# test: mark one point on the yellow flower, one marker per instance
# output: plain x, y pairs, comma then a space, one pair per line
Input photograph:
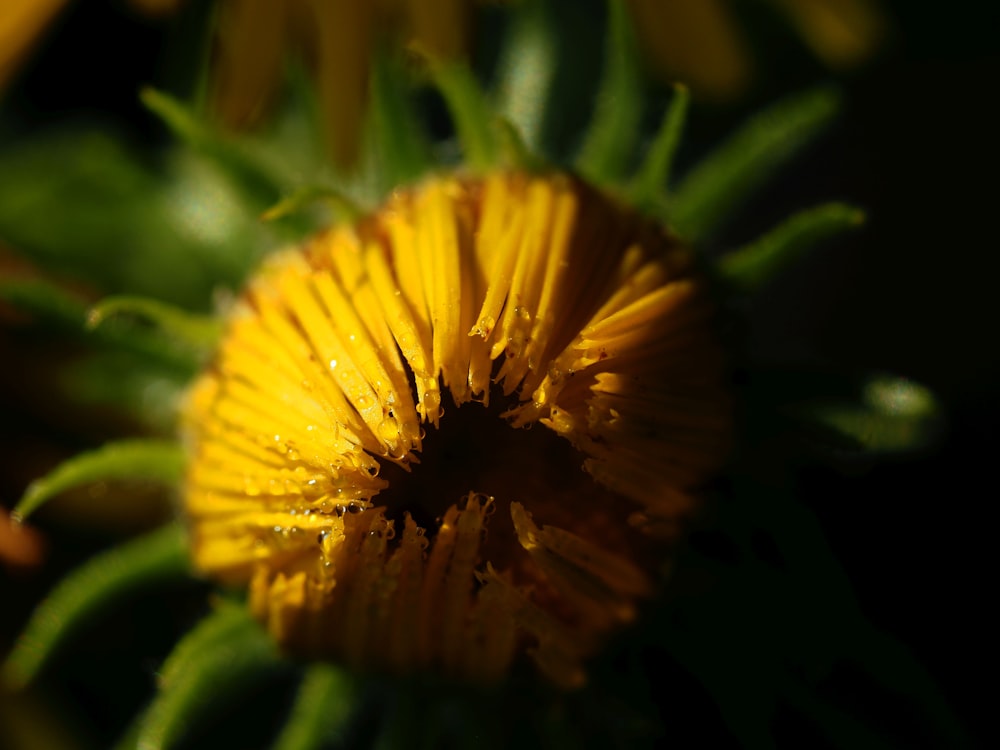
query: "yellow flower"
371, 525
255, 39
700, 42
22, 22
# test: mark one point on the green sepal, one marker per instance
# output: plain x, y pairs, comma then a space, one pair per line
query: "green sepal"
216, 669
141, 459
607, 145
64, 312
301, 200
892, 415
728, 176
227, 619
159, 556
324, 703
756, 263
514, 152
526, 71
470, 111
46, 302
398, 147
649, 187
199, 333
256, 180
84, 205
126, 384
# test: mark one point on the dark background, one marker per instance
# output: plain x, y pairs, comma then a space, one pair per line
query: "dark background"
913, 293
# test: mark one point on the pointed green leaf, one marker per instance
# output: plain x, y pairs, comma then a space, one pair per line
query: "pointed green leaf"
527, 68
514, 153
255, 179
343, 207
200, 333
894, 414
223, 670
214, 630
650, 185
611, 136
158, 556
126, 384
323, 705
83, 205
759, 261
395, 134
470, 111
45, 301
747, 160
64, 312
155, 460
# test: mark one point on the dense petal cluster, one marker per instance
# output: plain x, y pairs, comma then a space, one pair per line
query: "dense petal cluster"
324, 473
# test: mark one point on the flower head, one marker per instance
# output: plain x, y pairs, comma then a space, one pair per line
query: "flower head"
533, 300
459, 430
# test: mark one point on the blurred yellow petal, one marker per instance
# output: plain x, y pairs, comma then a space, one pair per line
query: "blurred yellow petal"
440, 26
20, 545
21, 23
344, 39
156, 7
249, 58
696, 42
842, 33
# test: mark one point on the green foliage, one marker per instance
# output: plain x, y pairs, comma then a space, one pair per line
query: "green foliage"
892, 415
148, 460
759, 261
216, 662
400, 153
83, 204
252, 176
470, 111
649, 187
105, 579
324, 702
729, 175
527, 68
306, 197
56, 309
611, 136
127, 384
198, 333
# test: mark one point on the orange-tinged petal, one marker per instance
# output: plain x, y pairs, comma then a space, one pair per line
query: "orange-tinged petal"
21, 24
695, 42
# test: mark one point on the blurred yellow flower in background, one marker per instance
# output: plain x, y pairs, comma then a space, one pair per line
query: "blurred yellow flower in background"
701, 43
22, 23
698, 42
254, 40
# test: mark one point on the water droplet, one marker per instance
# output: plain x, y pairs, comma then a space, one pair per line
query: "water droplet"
333, 364
323, 536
